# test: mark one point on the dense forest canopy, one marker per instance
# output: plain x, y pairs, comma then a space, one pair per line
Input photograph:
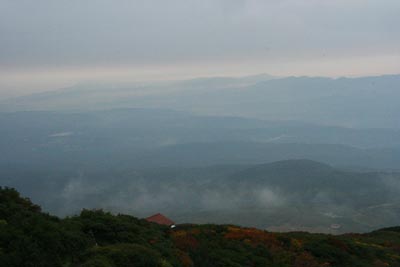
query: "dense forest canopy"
30, 237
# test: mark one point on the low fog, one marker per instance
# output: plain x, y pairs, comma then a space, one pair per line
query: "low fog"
286, 195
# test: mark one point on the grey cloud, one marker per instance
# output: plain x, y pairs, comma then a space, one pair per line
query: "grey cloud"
76, 33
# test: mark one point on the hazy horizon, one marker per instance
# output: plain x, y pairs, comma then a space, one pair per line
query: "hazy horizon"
47, 45
50, 86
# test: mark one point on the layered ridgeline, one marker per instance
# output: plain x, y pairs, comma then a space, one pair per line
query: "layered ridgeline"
127, 138
204, 169
29, 237
368, 102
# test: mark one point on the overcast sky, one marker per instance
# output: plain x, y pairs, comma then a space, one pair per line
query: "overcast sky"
53, 43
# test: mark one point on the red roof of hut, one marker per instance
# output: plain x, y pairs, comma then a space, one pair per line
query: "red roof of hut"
160, 219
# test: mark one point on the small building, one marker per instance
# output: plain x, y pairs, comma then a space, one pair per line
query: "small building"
160, 219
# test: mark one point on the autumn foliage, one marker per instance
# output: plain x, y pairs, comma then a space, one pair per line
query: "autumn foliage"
94, 238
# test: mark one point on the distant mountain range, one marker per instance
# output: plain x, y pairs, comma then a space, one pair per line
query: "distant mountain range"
297, 153
368, 102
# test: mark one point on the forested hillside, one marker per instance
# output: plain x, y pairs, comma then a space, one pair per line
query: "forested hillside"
30, 237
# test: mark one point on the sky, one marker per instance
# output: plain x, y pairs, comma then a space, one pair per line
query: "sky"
48, 44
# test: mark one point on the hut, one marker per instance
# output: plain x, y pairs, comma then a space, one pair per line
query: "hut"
161, 219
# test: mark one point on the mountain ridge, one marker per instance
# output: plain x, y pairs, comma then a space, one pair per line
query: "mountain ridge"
365, 102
